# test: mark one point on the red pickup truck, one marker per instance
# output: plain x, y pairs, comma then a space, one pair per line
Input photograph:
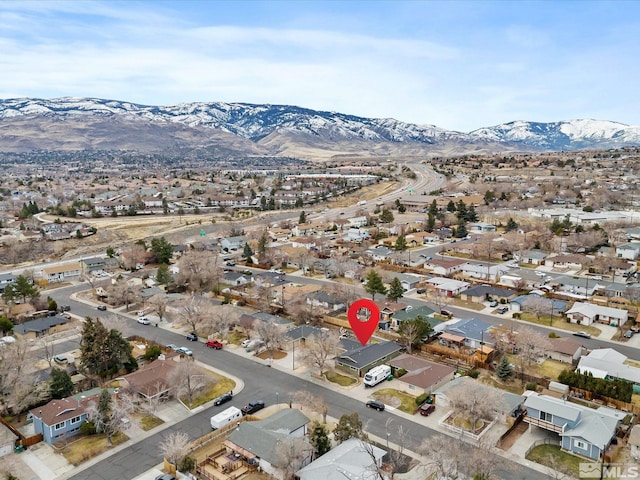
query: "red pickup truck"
213, 343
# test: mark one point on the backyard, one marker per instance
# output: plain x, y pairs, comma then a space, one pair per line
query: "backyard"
553, 457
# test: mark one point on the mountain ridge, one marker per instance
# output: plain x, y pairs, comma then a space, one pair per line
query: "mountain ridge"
256, 129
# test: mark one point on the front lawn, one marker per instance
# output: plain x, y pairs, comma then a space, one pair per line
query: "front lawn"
90, 446
397, 399
217, 387
560, 323
147, 422
553, 457
342, 380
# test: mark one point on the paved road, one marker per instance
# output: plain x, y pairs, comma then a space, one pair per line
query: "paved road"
261, 382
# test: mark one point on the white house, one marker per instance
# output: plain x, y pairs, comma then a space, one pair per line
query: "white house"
584, 313
609, 363
447, 286
628, 251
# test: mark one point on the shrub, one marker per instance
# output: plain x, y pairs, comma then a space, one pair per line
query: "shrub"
187, 464
421, 398
152, 352
553, 335
532, 386
473, 373
400, 372
88, 428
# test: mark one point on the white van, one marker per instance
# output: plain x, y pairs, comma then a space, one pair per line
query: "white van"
225, 417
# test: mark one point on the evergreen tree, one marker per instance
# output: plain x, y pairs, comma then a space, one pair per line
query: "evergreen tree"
21, 289
348, 426
386, 216
461, 210
6, 325
263, 242
319, 439
61, 384
489, 197
433, 208
461, 229
163, 276
451, 207
110, 252
52, 305
247, 253
374, 284
395, 290
471, 215
162, 250
103, 352
401, 243
303, 218
431, 222
504, 370
511, 225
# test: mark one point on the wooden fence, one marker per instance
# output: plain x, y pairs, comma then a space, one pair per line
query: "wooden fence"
22, 439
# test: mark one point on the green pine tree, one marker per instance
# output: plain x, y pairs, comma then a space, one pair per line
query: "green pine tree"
504, 369
395, 290
374, 284
319, 439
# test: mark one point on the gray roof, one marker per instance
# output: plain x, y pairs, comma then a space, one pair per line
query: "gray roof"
558, 305
480, 290
93, 261
302, 331
556, 407
362, 356
263, 437
7, 277
470, 328
349, 460
267, 317
536, 254
596, 427
40, 325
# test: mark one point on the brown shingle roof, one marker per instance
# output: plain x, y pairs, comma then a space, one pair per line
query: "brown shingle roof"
152, 378
57, 411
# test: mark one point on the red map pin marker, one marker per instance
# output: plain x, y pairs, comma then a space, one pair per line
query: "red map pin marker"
363, 329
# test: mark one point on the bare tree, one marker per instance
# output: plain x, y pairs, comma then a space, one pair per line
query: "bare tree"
124, 293
538, 306
132, 255
188, 379
109, 420
319, 348
444, 457
222, 318
16, 383
346, 292
473, 401
197, 269
174, 447
292, 454
194, 311
313, 402
303, 312
531, 344
158, 304
48, 348
272, 334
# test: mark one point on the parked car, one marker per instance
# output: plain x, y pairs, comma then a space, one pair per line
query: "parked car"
502, 310
193, 337
427, 409
446, 313
65, 308
582, 334
224, 398
245, 343
184, 351
143, 321
376, 404
166, 476
493, 304
213, 343
60, 359
173, 347
420, 291
252, 407
102, 308
628, 334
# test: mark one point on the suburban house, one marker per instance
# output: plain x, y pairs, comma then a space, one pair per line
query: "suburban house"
379, 253
565, 262
482, 227
6, 279
359, 360
609, 363
236, 279
443, 266
422, 238
356, 235
474, 332
61, 419
582, 430
39, 327
447, 287
565, 350
261, 442
387, 310
533, 257
579, 286
628, 251
519, 304
584, 313
409, 281
233, 243
407, 315
329, 302
152, 381
60, 273
484, 271
352, 459
482, 293
423, 376
93, 264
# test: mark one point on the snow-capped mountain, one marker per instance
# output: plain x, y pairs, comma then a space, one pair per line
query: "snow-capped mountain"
81, 123
567, 135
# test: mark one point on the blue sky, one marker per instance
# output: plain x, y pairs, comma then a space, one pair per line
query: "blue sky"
460, 65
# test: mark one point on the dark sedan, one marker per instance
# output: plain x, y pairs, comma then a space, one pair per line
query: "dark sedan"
224, 398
